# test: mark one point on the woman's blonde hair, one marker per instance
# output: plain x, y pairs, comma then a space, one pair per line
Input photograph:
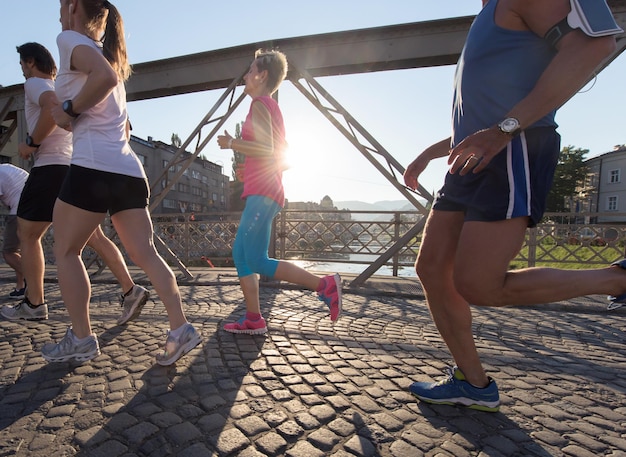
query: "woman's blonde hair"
275, 62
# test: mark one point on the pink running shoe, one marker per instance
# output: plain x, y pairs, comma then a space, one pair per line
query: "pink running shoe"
330, 293
247, 326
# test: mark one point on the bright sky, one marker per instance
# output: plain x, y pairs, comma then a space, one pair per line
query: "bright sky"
405, 110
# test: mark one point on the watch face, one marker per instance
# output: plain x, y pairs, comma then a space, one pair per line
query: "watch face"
510, 124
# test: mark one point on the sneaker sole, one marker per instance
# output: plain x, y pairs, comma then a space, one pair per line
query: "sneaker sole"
258, 331
137, 311
13, 318
460, 402
614, 305
182, 351
76, 357
30, 319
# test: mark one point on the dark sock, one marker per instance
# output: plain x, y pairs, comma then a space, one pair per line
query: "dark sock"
30, 304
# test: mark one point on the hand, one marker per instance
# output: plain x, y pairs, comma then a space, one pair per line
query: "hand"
415, 169
25, 151
225, 141
476, 151
61, 118
439, 149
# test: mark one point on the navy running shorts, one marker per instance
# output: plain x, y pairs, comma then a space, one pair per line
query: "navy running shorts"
515, 183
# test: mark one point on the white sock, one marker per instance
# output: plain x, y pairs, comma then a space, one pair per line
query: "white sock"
176, 333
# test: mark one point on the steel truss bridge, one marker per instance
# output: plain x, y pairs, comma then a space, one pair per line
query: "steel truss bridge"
395, 47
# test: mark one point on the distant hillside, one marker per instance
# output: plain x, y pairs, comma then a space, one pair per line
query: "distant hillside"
385, 205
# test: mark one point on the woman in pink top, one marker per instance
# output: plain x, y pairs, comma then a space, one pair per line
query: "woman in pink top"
263, 143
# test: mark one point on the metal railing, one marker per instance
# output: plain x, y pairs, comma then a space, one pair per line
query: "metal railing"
357, 238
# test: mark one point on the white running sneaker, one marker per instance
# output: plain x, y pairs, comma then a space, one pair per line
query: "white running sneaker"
25, 311
132, 303
175, 348
70, 349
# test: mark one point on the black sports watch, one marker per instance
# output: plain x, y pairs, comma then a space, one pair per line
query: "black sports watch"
69, 109
510, 126
30, 142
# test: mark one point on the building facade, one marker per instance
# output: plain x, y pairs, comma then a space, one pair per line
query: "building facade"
202, 188
604, 190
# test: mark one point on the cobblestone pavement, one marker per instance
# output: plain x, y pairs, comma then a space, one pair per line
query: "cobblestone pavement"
310, 388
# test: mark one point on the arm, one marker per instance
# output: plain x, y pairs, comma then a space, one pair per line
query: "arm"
577, 58
415, 168
45, 124
101, 80
263, 145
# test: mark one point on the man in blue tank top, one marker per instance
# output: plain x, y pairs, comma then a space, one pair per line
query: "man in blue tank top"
522, 60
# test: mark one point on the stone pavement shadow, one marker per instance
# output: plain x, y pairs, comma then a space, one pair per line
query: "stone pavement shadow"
22, 399
181, 409
470, 432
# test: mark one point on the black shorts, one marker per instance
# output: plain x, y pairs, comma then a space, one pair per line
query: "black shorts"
515, 183
40, 192
100, 191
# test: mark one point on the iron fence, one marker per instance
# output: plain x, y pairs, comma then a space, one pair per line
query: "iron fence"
347, 238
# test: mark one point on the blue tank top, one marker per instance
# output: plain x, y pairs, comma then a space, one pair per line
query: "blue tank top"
497, 68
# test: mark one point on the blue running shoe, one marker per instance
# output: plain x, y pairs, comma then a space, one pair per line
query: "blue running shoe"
455, 390
616, 302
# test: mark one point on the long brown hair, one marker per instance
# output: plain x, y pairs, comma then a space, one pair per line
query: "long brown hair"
113, 40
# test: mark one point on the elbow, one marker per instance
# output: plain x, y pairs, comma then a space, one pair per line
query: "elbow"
108, 79
603, 47
111, 80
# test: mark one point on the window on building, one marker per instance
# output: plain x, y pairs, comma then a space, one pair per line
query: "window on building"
142, 159
614, 176
611, 203
169, 203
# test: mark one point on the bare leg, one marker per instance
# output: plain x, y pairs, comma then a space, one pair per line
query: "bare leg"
482, 276
14, 260
250, 288
450, 311
286, 271
112, 257
134, 228
292, 273
461, 263
33, 261
72, 228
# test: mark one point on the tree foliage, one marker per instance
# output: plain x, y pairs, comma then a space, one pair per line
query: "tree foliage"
570, 172
176, 141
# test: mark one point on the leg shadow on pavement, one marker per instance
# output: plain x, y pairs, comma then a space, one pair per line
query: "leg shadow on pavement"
461, 431
33, 393
165, 411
